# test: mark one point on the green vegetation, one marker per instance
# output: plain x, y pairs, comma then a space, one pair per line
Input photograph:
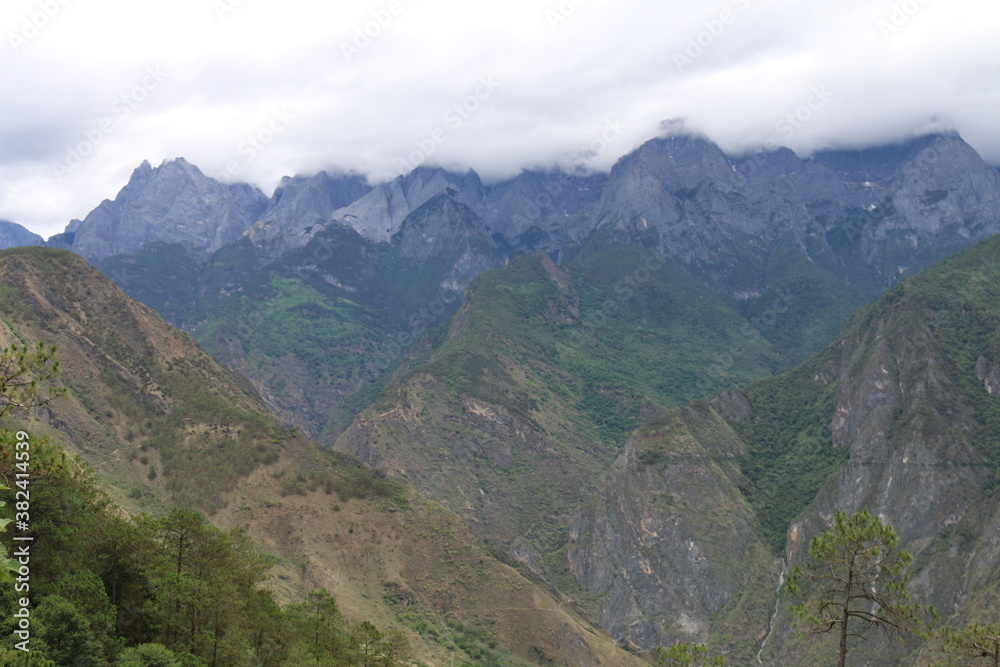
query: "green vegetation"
804, 305
151, 399
962, 307
161, 275
148, 386
478, 646
683, 654
952, 312
975, 642
855, 578
24, 383
299, 320
542, 376
348, 480
174, 589
24, 376
311, 343
200, 468
790, 448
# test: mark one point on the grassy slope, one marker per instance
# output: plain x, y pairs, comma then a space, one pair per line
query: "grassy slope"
143, 395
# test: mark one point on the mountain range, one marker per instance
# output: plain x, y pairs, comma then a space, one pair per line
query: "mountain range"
164, 424
644, 389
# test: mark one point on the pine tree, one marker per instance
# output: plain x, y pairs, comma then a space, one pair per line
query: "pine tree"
855, 581
979, 642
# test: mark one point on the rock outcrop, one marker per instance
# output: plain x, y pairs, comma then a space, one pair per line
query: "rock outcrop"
13, 235
173, 203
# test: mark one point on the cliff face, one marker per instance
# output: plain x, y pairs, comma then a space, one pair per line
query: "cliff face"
300, 208
896, 417
668, 546
173, 203
866, 217
524, 401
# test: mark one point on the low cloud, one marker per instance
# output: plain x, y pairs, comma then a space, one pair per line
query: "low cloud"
733, 69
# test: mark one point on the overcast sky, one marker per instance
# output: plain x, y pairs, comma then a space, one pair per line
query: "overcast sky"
251, 90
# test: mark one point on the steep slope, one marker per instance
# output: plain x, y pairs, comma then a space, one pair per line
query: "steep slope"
898, 416
668, 546
380, 213
200, 426
543, 211
322, 330
13, 235
173, 203
794, 245
302, 206
828, 233
143, 396
536, 383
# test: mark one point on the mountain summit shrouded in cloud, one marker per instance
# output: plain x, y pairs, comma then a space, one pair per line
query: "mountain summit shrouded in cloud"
253, 91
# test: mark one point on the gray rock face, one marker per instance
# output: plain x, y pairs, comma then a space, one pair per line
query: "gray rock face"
173, 203
301, 207
444, 223
549, 211
910, 413
534, 211
885, 210
668, 543
379, 214
13, 235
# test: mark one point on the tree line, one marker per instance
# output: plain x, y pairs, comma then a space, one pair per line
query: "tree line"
175, 591
169, 591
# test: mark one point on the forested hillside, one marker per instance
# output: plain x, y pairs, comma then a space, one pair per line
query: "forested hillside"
159, 425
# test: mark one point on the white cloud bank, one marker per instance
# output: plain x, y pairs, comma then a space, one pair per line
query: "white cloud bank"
256, 89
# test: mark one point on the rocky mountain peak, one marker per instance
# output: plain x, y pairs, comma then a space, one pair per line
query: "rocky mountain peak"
173, 203
140, 177
725, 215
301, 207
13, 235
380, 213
